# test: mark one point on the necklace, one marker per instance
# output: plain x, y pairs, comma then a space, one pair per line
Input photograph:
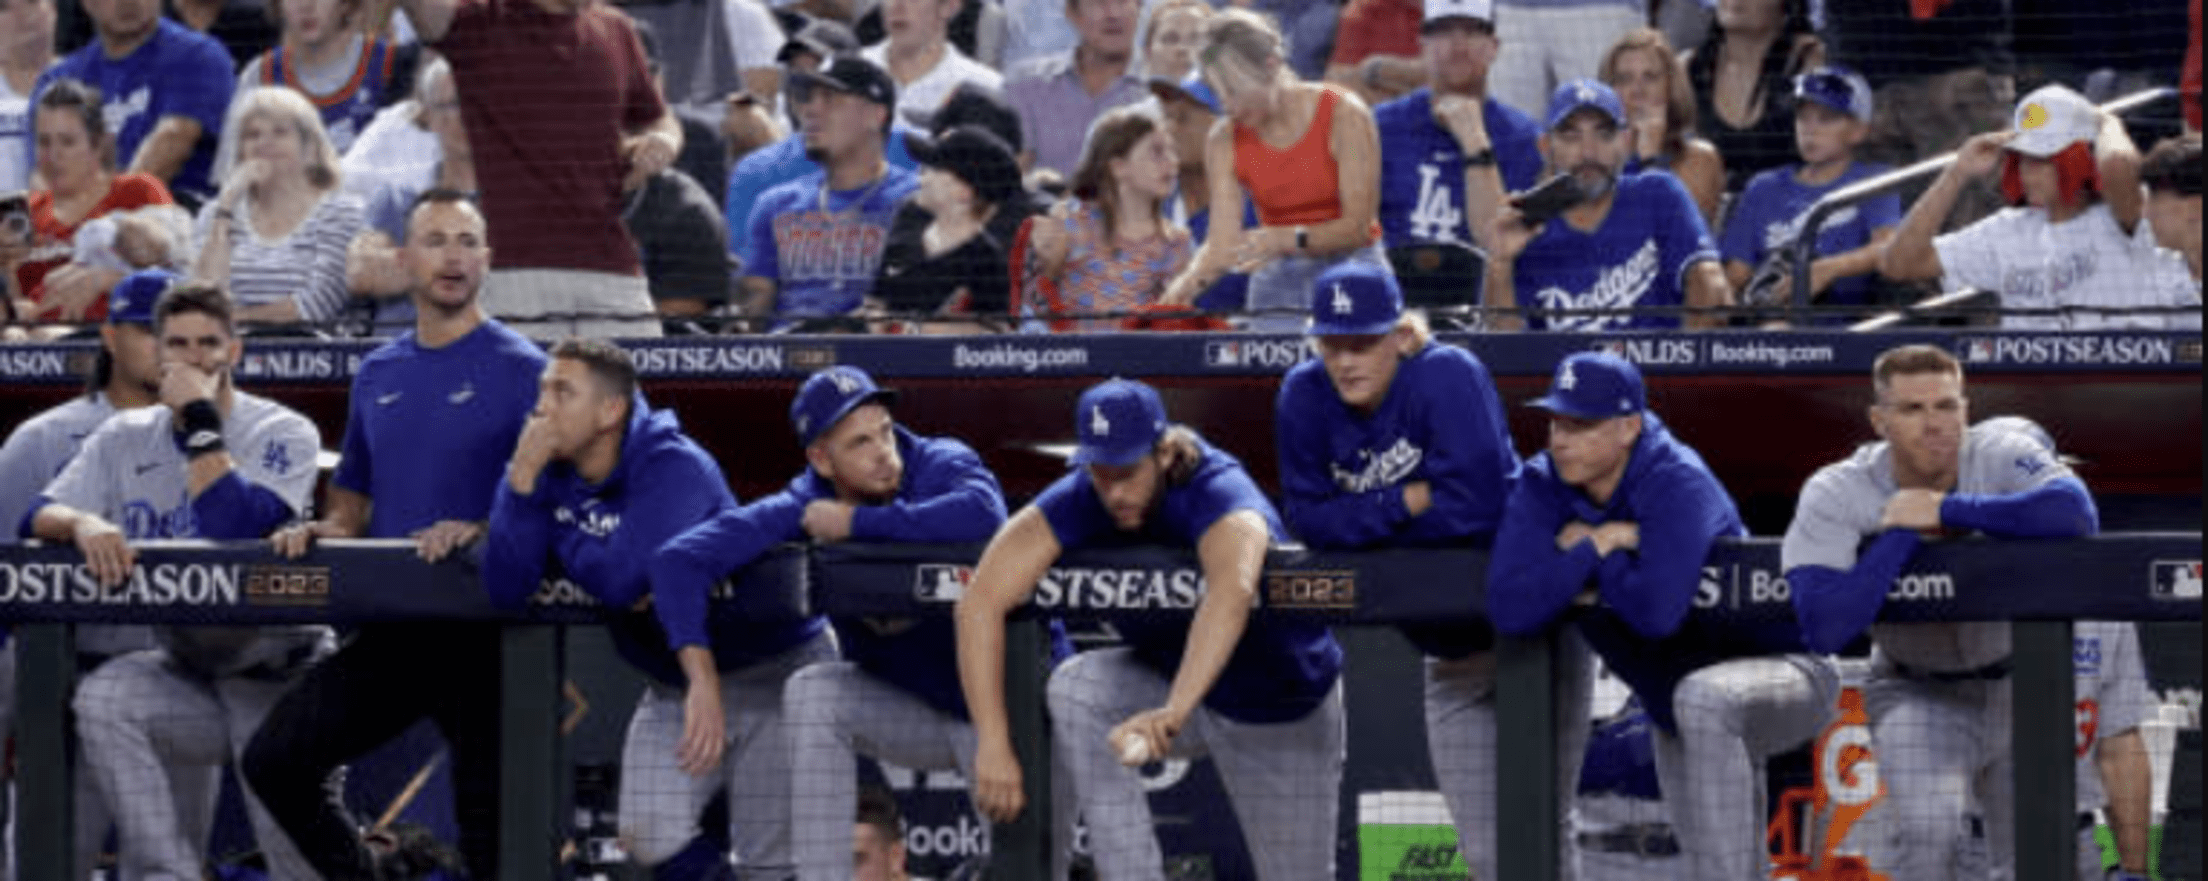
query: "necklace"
850, 209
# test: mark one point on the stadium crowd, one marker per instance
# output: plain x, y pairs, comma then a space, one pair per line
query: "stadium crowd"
473, 177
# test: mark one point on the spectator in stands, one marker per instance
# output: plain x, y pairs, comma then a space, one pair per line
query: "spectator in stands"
373, 271
210, 462
704, 155
1035, 30
1377, 50
681, 236
398, 145
553, 162
1170, 39
45, 284
1740, 78
1110, 250
1633, 241
788, 158
245, 29
878, 839
276, 235
1307, 155
1550, 42
349, 75
987, 109
920, 57
952, 265
816, 242
26, 48
1660, 105
166, 88
1060, 96
1832, 112
1452, 150
2172, 173
1191, 108
2070, 247
713, 49
1941, 71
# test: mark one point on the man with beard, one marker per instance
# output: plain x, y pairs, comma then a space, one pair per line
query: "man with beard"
433, 416
1452, 152
1627, 243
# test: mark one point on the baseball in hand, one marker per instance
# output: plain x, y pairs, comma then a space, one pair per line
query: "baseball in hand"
1133, 750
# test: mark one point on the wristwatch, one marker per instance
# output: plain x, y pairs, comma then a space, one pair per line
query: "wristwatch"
1303, 239
1482, 159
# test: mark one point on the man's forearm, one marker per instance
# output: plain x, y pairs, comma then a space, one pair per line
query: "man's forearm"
1910, 256
166, 149
1499, 298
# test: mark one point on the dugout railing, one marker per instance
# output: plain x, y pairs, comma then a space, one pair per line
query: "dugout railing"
2040, 586
1804, 247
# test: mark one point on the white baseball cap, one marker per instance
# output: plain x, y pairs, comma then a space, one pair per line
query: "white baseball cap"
1477, 10
2051, 119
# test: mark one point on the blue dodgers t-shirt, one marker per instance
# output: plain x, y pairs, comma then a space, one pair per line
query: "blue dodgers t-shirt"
1638, 257
1768, 216
823, 262
429, 431
177, 72
1283, 667
1422, 172
777, 164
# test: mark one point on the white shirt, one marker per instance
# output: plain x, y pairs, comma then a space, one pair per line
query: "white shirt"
15, 139
753, 35
2084, 261
918, 100
392, 150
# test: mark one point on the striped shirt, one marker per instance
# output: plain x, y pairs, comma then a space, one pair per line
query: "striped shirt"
308, 264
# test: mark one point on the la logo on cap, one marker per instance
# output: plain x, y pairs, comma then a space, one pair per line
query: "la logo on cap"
845, 383
1568, 379
1098, 425
1586, 92
1342, 304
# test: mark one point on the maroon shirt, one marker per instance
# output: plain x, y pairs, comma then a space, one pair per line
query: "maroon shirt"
546, 99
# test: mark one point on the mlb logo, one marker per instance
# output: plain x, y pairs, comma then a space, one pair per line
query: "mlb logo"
2176, 580
1978, 351
941, 583
1223, 354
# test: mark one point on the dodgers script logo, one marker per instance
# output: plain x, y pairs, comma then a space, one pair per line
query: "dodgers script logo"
1386, 469
1782, 233
594, 521
1618, 287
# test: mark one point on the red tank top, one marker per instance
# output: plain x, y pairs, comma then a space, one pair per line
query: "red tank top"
1298, 186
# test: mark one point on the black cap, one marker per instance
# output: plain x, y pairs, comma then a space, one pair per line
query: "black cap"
849, 74
820, 36
978, 105
974, 155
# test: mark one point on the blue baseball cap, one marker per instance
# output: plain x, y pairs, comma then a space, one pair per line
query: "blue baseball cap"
1355, 299
1192, 88
1578, 95
133, 299
828, 396
1594, 385
1836, 87
1118, 422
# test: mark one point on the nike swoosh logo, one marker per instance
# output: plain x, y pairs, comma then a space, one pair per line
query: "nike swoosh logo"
461, 396
387, 400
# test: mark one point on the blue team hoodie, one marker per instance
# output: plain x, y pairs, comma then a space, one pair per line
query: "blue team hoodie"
1641, 628
606, 537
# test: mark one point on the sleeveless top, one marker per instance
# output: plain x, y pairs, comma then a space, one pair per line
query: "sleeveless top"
380, 77
1298, 186
1101, 277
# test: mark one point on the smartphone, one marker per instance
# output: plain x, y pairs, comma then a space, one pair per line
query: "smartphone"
1548, 199
15, 218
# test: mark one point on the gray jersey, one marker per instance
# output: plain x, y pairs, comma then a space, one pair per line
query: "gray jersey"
1841, 506
2111, 694
38, 449
131, 473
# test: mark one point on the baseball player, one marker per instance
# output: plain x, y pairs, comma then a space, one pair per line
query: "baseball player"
210, 462
896, 696
434, 415
1623, 828
125, 374
604, 482
1938, 693
1621, 505
1260, 696
1389, 439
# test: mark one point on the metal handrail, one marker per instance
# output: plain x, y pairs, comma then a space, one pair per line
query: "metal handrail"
1804, 247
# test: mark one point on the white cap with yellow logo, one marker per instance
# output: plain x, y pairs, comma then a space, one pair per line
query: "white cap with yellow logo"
2051, 119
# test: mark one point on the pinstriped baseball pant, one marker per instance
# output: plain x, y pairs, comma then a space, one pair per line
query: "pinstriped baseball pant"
1732, 716
1460, 736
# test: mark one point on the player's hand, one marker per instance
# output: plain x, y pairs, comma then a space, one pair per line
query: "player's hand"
1418, 497
183, 383
1980, 155
1617, 536
105, 552
1649, 127
998, 791
828, 520
531, 453
647, 154
1463, 118
1917, 509
444, 537
1261, 246
1572, 534
703, 730
1509, 233
293, 541
1155, 727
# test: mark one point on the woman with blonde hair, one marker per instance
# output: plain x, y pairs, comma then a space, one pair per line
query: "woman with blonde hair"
1307, 154
276, 234
1110, 250
1652, 83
